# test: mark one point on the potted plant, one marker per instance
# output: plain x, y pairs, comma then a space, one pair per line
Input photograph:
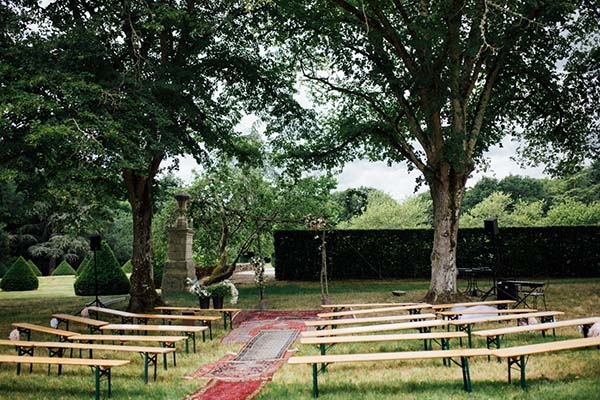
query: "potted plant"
221, 290
196, 287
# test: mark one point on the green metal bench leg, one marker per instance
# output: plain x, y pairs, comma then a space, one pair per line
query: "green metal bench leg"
523, 383
315, 391
464, 364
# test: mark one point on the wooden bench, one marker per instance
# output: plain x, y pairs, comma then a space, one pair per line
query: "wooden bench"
149, 354
322, 324
516, 356
228, 313
92, 324
443, 337
102, 367
413, 308
422, 326
129, 317
351, 306
462, 354
467, 324
190, 331
502, 311
442, 307
26, 328
165, 341
493, 336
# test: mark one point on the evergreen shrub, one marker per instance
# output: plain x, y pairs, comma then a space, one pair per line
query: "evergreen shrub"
3, 270
111, 279
34, 268
127, 267
19, 277
64, 268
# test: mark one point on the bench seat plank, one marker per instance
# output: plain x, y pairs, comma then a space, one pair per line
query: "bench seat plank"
421, 325
492, 335
441, 307
462, 354
467, 324
92, 324
149, 353
412, 307
516, 356
27, 328
366, 320
189, 330
427, 338
102, 366
228, 313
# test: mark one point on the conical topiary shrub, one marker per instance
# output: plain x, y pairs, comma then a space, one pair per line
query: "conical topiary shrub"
34, 268
111, 279
19, 277
64, 268
83, 264
127, 267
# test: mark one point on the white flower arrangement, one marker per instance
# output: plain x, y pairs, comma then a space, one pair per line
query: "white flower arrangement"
195, 287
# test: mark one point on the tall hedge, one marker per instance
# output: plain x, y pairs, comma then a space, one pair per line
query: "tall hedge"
64, 268
397, 254
19, 277
111, 279
3, 270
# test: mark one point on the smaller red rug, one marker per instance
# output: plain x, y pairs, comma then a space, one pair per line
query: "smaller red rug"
224, 390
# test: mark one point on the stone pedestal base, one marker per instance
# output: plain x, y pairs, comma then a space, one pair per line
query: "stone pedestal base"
175, 275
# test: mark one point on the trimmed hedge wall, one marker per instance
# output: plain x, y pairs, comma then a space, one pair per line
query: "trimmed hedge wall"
555, 252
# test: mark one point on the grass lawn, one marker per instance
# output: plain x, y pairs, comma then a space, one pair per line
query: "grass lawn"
565, 375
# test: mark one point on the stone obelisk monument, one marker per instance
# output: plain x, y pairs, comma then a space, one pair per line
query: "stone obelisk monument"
179, 265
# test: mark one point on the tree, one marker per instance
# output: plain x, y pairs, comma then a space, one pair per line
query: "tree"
124, 85
235, 209
435, 84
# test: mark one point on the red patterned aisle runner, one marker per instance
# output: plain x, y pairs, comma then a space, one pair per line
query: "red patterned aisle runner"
267, 335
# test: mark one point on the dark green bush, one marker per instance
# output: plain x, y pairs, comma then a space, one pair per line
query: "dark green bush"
157, 267
3, 270
64, 268
19, 277
83, 265
111, 279
34, 268
127, 267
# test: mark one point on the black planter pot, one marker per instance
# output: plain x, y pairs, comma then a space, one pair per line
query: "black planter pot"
204, 302
217, 302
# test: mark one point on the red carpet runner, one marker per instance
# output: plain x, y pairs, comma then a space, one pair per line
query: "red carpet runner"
242, 377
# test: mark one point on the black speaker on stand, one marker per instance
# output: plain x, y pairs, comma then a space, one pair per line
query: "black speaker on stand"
490, 227
95, 245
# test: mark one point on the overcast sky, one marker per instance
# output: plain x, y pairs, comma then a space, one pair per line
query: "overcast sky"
395, 180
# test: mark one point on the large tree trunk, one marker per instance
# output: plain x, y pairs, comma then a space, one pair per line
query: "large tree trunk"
447, 190
143, 290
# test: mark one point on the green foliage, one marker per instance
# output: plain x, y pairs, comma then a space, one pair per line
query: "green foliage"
19, 277
127, 267
3, 270
84, 264
64, 268
111, 279
383, 212
573, 213
34, 268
